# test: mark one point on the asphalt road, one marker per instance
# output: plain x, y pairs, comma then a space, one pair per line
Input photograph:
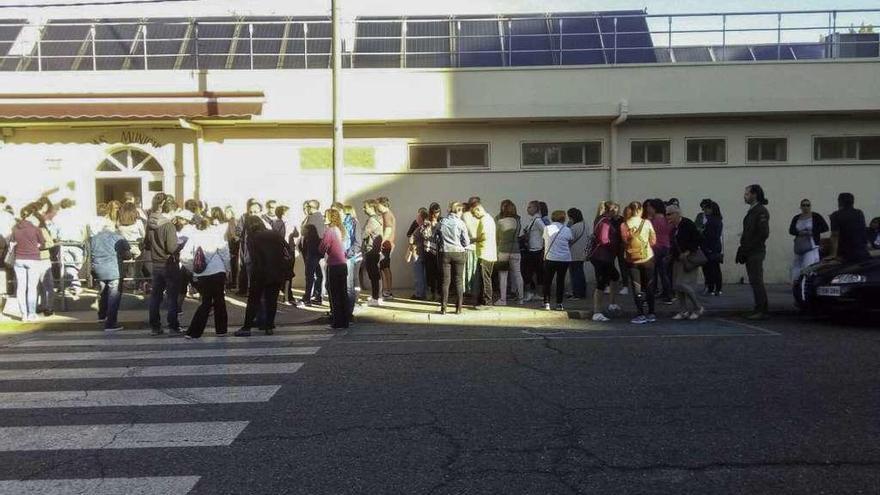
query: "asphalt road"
716, 406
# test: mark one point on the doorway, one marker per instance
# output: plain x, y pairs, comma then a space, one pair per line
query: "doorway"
128, 171
114, 189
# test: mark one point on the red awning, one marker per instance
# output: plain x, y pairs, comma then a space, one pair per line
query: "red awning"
131, 106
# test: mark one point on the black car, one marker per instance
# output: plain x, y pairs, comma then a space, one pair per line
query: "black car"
833, 286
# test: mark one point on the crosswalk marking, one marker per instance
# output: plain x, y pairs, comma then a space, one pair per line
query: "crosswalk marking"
175, 354
137, 397
120, 436
161, 485
114, 341
146, 332
151, 371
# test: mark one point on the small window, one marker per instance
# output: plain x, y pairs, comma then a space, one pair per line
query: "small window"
154, 186
767, 149
847, 148
650, 152
571, 154
437, 156
706, 151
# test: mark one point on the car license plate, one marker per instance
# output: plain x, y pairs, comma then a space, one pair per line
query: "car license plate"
828, 291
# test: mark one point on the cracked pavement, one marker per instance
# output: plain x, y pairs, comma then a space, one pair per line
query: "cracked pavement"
410, 409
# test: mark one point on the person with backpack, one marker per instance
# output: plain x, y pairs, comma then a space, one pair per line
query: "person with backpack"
269, 255
639, 238
605, 243
557, 256
162, 241
206, 256
108, 249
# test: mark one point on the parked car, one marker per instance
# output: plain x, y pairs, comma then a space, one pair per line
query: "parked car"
832, 286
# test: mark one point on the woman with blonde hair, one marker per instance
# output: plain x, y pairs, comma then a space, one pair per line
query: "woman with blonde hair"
639, 238
337, 268
113, 208
372, 249
132, 229
606, 244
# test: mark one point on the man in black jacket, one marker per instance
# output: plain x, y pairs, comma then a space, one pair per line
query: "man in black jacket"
269, 252
162, 241
752, 247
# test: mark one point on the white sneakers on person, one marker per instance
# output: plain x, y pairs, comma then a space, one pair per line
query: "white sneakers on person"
683, 315
695, 315
600, 317
113, 329
614, 308
624, 291
374, 302
546, 306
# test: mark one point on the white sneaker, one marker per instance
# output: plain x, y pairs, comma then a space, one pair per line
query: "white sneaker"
639, 320
547, 306
684, 315
607, 290
697, 314
374, 302
600, 317
652, 318
500, 303
614, 308
623, 292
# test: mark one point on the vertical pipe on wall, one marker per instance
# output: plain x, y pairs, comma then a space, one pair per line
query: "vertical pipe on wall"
337, 104
614, 152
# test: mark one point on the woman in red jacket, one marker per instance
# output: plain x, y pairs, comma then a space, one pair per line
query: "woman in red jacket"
29, 268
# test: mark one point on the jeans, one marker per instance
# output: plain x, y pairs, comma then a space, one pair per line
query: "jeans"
108, 304
641, 277
418, 267
515, 272
555, 269
485, 293
371, 263
28, 274
532, 269
72, 258
314, 278
755, 271
351, 283
663, 271
261, 292
212, 292
453, 267
337, 281
46, 293
578, 279
166, 281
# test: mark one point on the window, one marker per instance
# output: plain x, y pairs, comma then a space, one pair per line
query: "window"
706, 151
540, 154
847, 148
435, 156
767, 149
322, 158
648, 152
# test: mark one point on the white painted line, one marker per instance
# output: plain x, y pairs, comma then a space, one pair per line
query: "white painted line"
145, 332
120, 436
165, 485
151, 371
113, 341
175, 354
137, 397
749, 326
554, 337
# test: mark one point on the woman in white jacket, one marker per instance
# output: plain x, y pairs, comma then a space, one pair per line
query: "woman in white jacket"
557, 256
206, 256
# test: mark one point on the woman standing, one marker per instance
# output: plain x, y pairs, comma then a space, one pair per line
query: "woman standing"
28, 268
414, 254
268, 251
234, 242
685, 248
429, 252
133, 230
639, 239
713, 247
46, 300
874, 234
606, 244
372, 250
509, 257
806, 227
580, 233
337, 268
113, 209
655, 212
557, 256
206, 255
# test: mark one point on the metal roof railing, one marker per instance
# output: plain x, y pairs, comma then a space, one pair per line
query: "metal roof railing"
591, 38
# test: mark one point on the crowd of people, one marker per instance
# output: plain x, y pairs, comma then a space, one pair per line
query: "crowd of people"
648, 249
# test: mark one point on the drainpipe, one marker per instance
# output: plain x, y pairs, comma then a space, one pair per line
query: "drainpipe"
622, 115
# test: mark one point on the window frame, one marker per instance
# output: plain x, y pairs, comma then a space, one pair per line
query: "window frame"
687, 141
787, 154
448, 146
647, 163
817, 137
561, 142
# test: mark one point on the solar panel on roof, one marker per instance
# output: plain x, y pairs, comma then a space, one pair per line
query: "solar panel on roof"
479, 44
530, 42
319, 45
9, 31
692, 54
733, 53
772, 52
627, 38
215, 42
373, 39
581, 41
165, 41
808, 51
114, 43
428, 43
268, 39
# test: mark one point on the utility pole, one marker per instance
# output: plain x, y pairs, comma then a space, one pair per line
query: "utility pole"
338, 164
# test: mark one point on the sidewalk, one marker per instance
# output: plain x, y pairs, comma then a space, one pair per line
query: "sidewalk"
736, 301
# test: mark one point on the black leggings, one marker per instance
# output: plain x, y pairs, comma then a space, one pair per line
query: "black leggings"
712, 274
371, 264
432, 272
554, 269
642, 285
453, 267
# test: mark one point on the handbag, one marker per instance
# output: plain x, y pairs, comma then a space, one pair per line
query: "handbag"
695, 260
524, 237
9, 257
803, 244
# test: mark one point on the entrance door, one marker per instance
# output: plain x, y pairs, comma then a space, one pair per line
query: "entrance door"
114, 189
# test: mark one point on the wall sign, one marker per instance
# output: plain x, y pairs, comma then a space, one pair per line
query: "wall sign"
127, 137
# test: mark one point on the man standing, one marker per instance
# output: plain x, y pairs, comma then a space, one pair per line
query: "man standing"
254, 209
532, 237
752, 249
312, 258
162, 238
471, 266
389, 225
270, 217
487, 254
72, 236
849, 240
108, 251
